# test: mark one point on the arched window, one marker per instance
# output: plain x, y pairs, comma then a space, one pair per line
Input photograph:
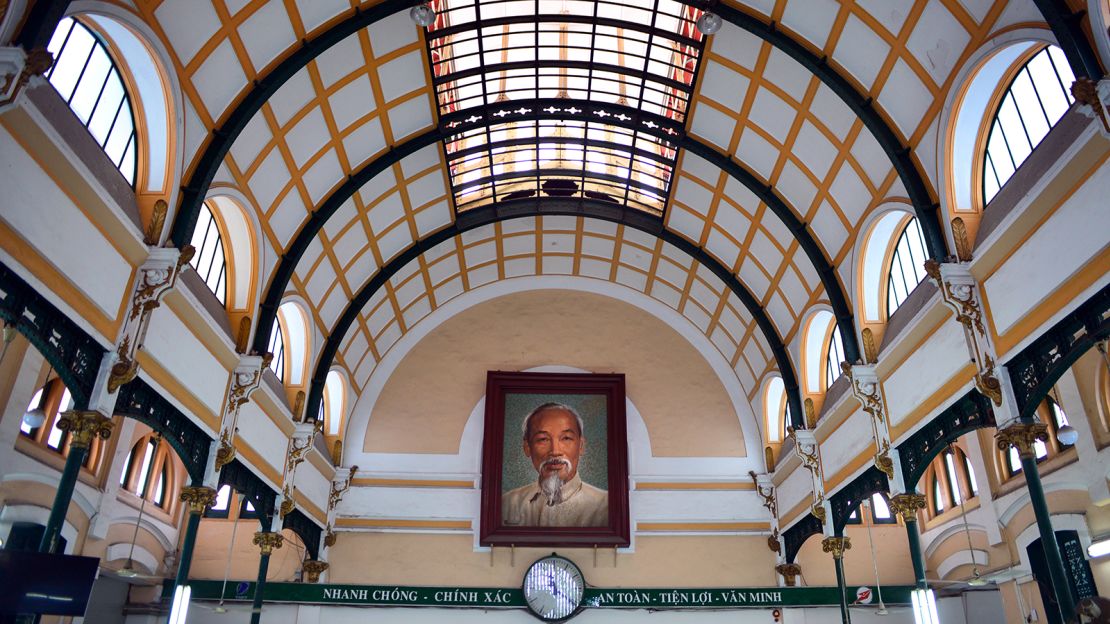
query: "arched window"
834, 357
333, 406
1051, 413
879, 511
1035, 100
774, 409
210, 260
42, 415
148, 472
277, 348
907, 266
86, 77
222, 507
951, 480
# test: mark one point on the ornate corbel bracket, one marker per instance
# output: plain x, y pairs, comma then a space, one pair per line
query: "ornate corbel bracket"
1094, 101
959, 292
156, 277
16, 69
304, 435
868, 391
268, 542
789, 572
339, 487
765, 489
245, 379
809, 451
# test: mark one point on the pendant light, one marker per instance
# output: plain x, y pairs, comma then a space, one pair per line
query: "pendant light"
1066, 434
422, 15
709, 23
35, 417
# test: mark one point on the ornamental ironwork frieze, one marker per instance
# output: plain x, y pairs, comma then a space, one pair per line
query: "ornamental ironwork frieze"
849, 497
138, 400
970, 412
959, 292
868, 391
156, 277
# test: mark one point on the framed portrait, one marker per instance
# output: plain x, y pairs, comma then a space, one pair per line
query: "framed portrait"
554, 460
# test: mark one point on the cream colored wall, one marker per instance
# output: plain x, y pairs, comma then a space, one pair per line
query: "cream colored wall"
892, 553
428, 398
663, 561
212, 552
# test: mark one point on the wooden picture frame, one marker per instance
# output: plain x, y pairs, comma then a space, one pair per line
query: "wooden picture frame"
516, 507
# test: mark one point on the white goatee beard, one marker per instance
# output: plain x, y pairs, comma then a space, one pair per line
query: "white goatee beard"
552, 484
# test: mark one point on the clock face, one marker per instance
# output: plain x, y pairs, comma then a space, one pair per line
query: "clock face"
553, 588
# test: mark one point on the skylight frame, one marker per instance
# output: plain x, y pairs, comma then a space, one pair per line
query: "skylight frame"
620, 123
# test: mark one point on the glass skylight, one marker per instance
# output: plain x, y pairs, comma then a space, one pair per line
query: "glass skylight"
563, 98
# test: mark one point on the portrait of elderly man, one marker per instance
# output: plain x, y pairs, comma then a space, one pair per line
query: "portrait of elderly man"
554, 442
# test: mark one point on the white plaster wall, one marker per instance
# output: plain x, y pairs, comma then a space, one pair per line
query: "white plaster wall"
796, 487
1063, 245
410, 503
849, 440
263, 436
176, 348
34, 206
314, 485
699, 506
926, 370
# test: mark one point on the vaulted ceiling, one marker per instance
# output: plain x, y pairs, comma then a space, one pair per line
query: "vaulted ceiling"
393, 168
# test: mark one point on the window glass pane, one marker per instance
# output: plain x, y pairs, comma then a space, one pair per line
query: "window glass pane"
209, 260
834, 357
907, 267
144, 468
938, 500
223, 498
879, 508
953, 481
1041, 449
971, 477
1015, 461
36, 401
277, 347
54, 440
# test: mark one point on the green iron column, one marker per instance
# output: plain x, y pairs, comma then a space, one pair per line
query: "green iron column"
83, 426
907, 506
837, 545
1022, 437
266, 541
199, 499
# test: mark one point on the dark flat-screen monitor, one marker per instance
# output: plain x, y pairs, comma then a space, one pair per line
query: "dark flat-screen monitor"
41, 583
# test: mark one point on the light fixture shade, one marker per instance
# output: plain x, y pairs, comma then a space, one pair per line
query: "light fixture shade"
709, 23
1067, 435
924, 607
35, 418
180, 609
422, 15
1099, 548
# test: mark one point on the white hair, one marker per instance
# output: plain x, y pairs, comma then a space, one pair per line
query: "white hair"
524, 426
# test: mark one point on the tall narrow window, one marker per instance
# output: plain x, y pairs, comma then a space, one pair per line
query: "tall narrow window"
57, 436
774, 407
834, 357
971, 477
953, 479
277, 347
210, 261
86, 77
907, 266
1036, 99
1059, 419
938, 499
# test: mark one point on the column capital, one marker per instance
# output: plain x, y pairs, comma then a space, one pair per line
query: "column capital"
312, 570
268, 541
789, 572
836, 546
907, 505
1022, 436
199, 498
84, 425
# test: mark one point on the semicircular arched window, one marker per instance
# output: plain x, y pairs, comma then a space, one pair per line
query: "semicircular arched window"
87, 78
210, 260
907, 266
1037, 97
775, 409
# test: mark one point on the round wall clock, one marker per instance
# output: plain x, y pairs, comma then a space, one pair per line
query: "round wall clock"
553, 588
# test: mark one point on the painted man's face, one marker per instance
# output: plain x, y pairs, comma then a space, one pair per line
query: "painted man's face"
555, 444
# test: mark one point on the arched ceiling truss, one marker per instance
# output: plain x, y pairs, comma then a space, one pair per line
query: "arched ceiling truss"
532, 207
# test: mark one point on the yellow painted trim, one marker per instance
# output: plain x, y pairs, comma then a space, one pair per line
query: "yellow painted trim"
48, 274
399, 523
424, 483
160, 375
703, 526
712, 485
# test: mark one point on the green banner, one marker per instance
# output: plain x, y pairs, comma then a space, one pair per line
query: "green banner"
487, 597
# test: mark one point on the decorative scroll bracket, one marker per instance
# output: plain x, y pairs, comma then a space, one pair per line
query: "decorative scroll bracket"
17, 68
809, 451
1094, 101
155, 278
765, 488
244, 380
304, 435
339, 487
869, 392
960, 292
